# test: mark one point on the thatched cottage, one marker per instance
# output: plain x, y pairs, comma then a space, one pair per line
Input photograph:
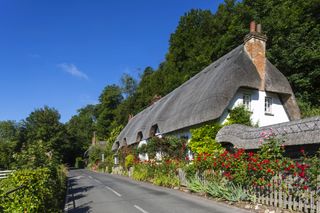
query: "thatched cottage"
242, 76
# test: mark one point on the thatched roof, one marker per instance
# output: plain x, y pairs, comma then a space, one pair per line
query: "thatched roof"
206, 95
300, 132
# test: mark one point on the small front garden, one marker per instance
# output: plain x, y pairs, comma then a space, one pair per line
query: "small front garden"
231, 176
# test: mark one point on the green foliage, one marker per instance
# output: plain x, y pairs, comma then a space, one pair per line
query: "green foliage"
110, 98
95, 154
128, 85
108, 153
191, 170
307, 110
168, 146
195, 184
165, 180
8, 130
203, 140
80, 129
140, 172
142, 149
9, 133
80, 164
218, 188
7, 152
313, 171
43, 190
239, 115
163, 173
273, 148
102, 166
129, 161
43, 125
33, 156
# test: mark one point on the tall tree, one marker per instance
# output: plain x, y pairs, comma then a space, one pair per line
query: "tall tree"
128, 85
110, 99
8, 142
80, 129
43, 125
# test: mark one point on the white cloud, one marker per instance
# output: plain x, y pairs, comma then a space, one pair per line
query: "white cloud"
73, 70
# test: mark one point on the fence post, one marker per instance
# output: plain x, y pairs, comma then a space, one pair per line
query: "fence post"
318, 194
280, 191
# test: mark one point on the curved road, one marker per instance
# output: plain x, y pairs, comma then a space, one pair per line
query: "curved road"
95, 192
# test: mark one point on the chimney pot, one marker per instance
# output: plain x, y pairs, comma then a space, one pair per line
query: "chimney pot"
259, 28
252, 26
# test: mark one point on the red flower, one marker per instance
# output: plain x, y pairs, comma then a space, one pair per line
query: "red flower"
305, 187
302, 174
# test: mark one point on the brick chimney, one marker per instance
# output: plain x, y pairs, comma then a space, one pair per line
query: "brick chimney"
255, 46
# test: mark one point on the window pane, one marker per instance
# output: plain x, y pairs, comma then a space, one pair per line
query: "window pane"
247, 101
268, 105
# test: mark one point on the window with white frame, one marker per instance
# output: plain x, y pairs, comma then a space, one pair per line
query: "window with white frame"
247, 101
268, 105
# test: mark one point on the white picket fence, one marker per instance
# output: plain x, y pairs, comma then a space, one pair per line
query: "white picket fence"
286, 194
5, 173
282, 193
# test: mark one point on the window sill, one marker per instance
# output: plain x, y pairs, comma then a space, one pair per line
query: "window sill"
268, 114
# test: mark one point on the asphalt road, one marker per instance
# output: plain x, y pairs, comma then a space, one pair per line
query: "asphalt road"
94, 192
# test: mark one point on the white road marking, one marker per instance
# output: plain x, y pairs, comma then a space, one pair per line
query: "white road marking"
90, 177
118, 194
140, 209
98, 181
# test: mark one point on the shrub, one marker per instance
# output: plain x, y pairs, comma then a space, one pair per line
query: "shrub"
102, 166
169, 147
43, 191
79, 164
95, 153
140, 172
203, 140
129, 161
239, 115
197, 185
218, 188
166, 180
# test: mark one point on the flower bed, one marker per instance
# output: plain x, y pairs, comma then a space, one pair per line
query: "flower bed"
241, 175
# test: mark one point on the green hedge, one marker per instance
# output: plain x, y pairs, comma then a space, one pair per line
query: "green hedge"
43, 191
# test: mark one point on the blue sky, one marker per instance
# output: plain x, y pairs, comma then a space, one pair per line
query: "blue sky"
62, 53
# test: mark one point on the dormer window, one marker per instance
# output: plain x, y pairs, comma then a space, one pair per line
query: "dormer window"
268, 105
124, 143
139, 136
154, 131
247, 101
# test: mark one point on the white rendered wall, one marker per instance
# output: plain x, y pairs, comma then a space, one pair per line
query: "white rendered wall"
259, 116
143, 157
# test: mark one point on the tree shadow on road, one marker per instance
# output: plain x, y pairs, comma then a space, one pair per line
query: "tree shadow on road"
81, 209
